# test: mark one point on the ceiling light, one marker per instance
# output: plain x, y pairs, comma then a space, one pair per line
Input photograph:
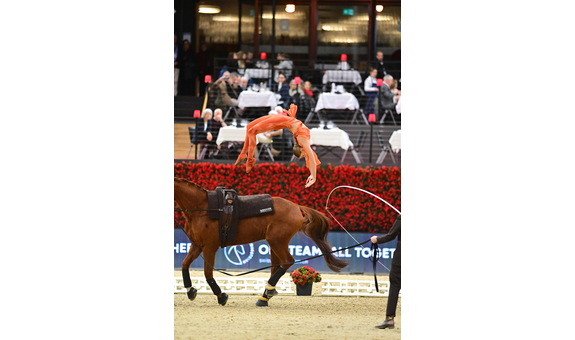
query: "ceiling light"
290, 8
207, 9
379, 8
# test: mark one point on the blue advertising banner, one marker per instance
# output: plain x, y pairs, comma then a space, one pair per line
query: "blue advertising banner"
257, 255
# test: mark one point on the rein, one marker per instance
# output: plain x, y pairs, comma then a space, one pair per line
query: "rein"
280, 264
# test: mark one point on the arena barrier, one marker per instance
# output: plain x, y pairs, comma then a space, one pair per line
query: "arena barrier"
285, 286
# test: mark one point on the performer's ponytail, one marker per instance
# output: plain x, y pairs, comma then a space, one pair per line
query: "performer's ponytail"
297, 150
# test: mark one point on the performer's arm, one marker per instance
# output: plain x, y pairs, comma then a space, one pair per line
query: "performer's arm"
312, 164
393, 232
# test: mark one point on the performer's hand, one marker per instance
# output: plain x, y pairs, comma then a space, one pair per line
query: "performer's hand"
374, 239
310, 181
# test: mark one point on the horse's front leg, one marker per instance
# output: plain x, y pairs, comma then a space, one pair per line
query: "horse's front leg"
209, 258
192, 255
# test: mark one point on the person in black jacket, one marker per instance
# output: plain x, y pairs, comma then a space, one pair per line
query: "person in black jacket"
394, 273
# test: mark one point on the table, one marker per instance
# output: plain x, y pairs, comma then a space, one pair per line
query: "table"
257, 99
395, 140
231, 134
238, 134
334, 101
328, 139
339, 76
258, 73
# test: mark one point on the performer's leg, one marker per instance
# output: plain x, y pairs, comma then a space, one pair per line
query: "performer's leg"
243, 153
251, 149
395, 280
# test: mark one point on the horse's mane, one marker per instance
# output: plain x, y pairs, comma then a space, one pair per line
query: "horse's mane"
187, 182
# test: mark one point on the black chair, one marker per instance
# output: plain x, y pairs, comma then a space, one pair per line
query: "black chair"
391, 112
356, 147
192, 131
385, 149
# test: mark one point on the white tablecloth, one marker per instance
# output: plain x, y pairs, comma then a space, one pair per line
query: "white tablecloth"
257, 99
395, 140
341, 77
336, 101
258, 73
231, 134
333, 137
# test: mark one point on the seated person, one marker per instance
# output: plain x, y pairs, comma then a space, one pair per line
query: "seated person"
283, 90
204, 129
250, 60
285, 66
388, 98
299, 98
244, 83
228, 92
371, 90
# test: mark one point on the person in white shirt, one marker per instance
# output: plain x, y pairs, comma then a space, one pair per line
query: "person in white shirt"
371, 90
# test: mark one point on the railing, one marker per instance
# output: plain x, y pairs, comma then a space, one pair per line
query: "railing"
313, 70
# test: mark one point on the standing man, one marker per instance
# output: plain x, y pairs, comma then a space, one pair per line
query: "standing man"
394, 273
205, 67
176, 66
378, 65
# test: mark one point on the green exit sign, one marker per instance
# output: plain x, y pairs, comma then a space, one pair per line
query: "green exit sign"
347, 11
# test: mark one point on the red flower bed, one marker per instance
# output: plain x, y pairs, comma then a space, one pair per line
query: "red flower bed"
355, 210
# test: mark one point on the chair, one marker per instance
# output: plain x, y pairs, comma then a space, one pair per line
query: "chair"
192, 131
356, 147
391, 113
230, 108
265, 146
386, 147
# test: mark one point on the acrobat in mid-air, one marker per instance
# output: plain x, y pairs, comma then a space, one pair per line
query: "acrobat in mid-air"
300, 133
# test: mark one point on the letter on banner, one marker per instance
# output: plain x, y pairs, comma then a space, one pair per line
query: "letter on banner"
306, 251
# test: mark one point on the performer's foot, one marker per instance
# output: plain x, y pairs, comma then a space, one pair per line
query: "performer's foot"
386, 324
250, 164
240, 161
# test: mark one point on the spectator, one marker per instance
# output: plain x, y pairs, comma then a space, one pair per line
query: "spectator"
378, 65
217, 124
228, 94
285, 65
371, 90
307, 89
176, 66
188, 70
204, 128
244, 83
214, 96
205, 67
250, 60
283, 90
299, 98
388, 98
232, 63
241, 63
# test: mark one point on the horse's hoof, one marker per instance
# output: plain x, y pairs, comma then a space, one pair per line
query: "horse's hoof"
271, 293
192, 293
223, 299
261, 303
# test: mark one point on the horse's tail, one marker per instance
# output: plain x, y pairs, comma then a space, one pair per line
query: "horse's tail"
316, 226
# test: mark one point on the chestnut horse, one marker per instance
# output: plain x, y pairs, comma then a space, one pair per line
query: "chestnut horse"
277, 229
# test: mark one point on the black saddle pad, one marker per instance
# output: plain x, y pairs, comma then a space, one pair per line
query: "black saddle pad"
244, 206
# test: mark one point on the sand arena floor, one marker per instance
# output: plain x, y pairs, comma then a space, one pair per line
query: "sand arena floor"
287, 317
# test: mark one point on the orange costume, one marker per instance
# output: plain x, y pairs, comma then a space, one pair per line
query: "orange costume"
274, 122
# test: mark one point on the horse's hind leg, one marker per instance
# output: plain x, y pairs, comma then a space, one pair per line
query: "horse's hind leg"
192, 255
209, 257
278, 255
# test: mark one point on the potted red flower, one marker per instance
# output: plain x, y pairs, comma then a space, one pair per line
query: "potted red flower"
304, 277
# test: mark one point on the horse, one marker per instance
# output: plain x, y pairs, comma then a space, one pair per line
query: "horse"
276, 228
